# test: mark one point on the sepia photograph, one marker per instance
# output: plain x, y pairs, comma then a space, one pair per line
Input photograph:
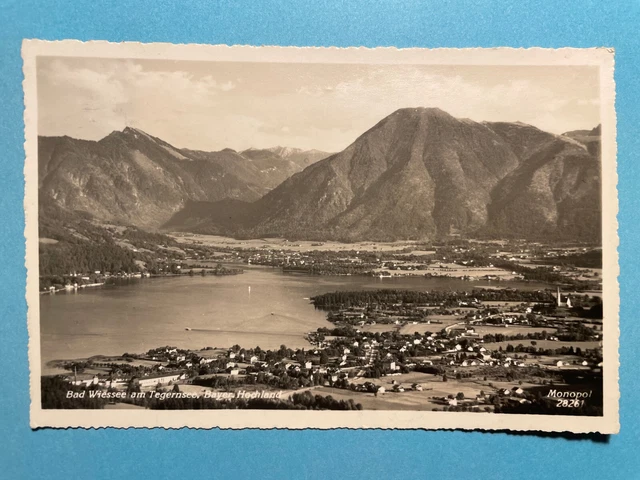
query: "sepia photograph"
365, 238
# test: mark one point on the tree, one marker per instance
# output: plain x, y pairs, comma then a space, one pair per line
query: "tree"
460, 396
300, 357
324, 358
176, 388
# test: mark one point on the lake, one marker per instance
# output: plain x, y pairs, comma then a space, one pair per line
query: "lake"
262, 307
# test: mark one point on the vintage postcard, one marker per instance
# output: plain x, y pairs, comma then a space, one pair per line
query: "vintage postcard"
268, 237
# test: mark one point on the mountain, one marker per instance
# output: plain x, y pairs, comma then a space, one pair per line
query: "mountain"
420, 173
589, 138
555, 192
134, 178
279, 163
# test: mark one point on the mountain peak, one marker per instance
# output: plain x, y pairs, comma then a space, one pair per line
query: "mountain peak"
127, 133
422, 112
135, 131
284, 152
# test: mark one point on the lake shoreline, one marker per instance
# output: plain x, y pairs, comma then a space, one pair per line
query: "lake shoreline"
219, 310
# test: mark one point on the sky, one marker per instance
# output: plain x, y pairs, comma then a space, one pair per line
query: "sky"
215, 105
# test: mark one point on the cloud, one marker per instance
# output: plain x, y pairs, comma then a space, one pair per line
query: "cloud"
122, 93
211, 106
381, 92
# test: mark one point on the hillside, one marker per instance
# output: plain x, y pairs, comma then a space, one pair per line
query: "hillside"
134, 178
420, 174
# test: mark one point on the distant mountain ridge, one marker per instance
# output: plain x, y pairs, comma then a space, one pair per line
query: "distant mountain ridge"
421, 173
135, 178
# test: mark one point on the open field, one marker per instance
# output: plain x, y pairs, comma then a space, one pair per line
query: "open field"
511, 330
282, 244
210, 353
379, 328
192, 389
436, 323
543, 344
433, 386
450, 270
428, 327
567, 360
387, 401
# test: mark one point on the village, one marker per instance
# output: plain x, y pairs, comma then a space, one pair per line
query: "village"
576, 265
485, 350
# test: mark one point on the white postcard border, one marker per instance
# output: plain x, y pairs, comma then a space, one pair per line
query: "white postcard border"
237, 419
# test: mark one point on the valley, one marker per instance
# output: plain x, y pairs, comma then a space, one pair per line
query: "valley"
435, 263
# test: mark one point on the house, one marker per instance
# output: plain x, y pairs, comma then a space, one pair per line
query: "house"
87, 382
232, 355
381, 390
517, 391
253, 359
308, 365
234, 372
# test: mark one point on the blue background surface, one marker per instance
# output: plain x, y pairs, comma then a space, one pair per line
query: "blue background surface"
313, 454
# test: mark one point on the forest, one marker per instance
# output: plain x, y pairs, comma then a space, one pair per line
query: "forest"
347, 299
